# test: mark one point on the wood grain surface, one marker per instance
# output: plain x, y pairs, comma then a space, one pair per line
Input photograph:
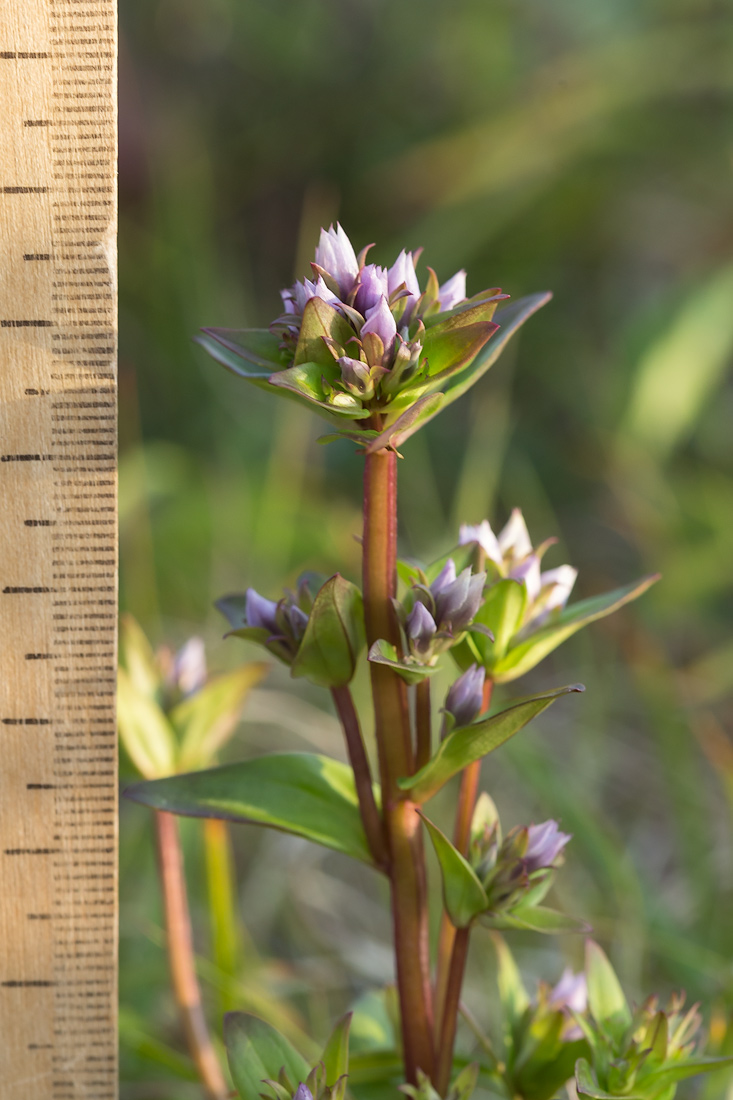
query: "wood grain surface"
58, 550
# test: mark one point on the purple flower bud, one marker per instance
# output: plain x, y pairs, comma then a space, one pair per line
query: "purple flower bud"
545, 842
571, 992
302, 1093
457, 602
453, 291
445, 578
298, 621
485, 537
403, 271
421, 629
336, 255
465, 698
380, 321
299, 294
260, 612
357, 377
372, 286
189, 666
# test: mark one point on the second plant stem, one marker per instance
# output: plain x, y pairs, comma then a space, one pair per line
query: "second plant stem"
396, 759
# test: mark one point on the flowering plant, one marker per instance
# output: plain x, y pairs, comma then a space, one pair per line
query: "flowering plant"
379, 356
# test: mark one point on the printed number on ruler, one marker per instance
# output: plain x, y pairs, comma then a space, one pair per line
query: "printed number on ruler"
58, 551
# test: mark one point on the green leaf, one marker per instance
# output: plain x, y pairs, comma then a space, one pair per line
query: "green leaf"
307, 381
528, 653
137, 658
469, 743
207, 719
302, 793
258, 374
501, 612
145, 731
394, 433
465, 1082
334, 636
680, 1071
320, 322
449, 348
384, 653
510, 319
463, 894
335, 1056
256, 1051
255, 345
480, 307
537, 918
512, 994
586, 1085
606, 998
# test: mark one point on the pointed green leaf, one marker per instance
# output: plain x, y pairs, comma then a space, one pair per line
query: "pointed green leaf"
206, 720
509, 319
259, 373
690, 1067
449, 348
463, 894
255, 345
145, 731
586, 1085
501, 612
321, 321
484, 304
512, 994
606, 998
537, 918
528, 653
384, 653
137, 658
334, 637
394, 433
302, 793
256, 1051
469, 743
465, 1083
307, 380
335, 1056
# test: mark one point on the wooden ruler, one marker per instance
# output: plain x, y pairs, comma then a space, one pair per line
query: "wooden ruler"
58, 785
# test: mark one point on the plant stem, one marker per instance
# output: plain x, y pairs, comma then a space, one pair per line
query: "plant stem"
225, 934
423, 723
370, 816
461, 838
181, 958
449, 1020
407, 860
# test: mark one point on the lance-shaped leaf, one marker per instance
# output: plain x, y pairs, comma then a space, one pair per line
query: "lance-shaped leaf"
512, 994
145, 731
258, 373
384, 653
334, 636
536, 918
528, 653
256, 1051
449, 349
306, 380
398, 430
255, 345
137, 658
335, 1056
606, 998
469, 743
302, 793
463, 894
321, 322
501, 613
680, 1071
587, 1085
509, 319
205, 721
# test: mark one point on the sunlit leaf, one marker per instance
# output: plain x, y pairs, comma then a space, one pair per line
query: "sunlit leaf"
606, 998
536, 918
205, 721
334, 636
145, 732
463, 894
335, 1056
256, 1051
469, 743
256, 345
321, 322
302, 793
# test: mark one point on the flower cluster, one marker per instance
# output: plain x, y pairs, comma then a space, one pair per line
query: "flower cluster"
510, 554
518, 868
435, 616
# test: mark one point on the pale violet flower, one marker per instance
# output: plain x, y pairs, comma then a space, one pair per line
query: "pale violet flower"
457, 598
403, 271
421, 629
373, 285
335, 254
482, 534
545, 843
381, 322
571, 992
514, 539
453, 291
189, 666
296, 298
465, 698
260, 612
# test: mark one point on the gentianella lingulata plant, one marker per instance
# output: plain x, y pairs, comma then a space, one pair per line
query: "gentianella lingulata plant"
378, 356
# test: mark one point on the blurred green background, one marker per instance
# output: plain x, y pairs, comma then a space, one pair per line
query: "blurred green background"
585, 146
